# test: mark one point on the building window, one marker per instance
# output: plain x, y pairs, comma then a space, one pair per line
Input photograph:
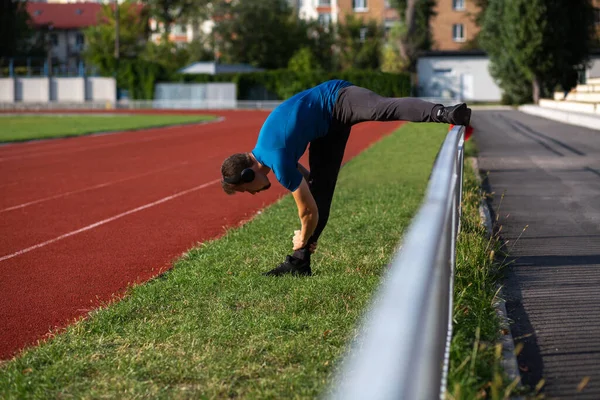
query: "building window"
388, 25
458, 5
54, 39
597, 16
325, 19
458, 32
179, 29
363, 34
324, 2
359, 5
79, 41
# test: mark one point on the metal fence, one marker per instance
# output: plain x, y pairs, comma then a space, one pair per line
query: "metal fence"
199, 104
402, 350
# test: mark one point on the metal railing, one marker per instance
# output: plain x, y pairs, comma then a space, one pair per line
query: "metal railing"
402, 351
145, 105
163, 104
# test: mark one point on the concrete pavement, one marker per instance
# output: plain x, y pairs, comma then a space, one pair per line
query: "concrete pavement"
545, 177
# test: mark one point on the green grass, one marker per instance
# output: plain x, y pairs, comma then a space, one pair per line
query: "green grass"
19, 128
213, 327
475, 354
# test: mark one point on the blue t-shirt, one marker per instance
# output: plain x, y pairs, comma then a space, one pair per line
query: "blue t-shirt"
291, 126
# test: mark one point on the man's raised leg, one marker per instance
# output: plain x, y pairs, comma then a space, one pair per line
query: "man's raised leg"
356, 104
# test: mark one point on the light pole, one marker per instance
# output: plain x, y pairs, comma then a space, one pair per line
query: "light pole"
117, 30
117, 45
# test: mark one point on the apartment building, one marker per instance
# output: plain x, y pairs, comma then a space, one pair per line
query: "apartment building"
451, 28
377, 10
178, 34
63, 26
334, 11
454, 24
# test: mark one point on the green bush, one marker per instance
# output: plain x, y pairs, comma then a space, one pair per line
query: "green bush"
138, 77
281, 84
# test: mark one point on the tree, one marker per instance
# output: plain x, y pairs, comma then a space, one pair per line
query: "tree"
482, 5
391, 59
168, 12
321, 41
201, 49
413, 33
359, 43
534, 44
168, 55
303, 61
263, 33
515, 85
132, 68
100, 39
477, 17
15, 29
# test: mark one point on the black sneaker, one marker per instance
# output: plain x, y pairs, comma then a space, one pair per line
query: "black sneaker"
459, 114
292, 266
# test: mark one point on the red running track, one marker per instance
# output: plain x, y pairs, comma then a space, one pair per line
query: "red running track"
81, 219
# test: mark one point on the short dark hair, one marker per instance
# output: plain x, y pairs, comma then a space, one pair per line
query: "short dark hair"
232, 168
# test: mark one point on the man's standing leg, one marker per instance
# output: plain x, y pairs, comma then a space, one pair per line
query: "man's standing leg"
325, 158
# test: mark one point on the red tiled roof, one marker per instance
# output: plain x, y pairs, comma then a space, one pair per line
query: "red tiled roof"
64, 15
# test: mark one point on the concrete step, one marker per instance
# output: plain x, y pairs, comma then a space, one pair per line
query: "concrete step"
581, 107
588, 120
587, 88
593, 81
590, 97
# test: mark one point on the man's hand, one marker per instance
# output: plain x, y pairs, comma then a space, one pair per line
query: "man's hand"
299, 243
308, 213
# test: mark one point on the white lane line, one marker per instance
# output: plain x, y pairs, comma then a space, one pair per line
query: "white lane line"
36, 153
106, 221
92, 187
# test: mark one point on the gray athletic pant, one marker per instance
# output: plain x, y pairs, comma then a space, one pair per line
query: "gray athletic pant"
353, 105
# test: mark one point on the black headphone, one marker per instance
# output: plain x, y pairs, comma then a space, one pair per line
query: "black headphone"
246, 176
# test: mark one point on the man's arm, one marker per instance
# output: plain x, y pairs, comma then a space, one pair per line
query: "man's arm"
308, 213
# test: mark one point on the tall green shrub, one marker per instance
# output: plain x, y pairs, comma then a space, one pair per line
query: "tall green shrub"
534, 44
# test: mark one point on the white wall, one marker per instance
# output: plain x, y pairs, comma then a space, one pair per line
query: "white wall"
67, 89
195, 95
101, 89
223, 94
32, 90
594, 70
463, 77
308, 10
7, 90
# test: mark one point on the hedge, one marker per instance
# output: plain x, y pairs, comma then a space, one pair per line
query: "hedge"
281, 84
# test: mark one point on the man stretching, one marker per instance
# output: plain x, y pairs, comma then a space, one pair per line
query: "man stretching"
323, 117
